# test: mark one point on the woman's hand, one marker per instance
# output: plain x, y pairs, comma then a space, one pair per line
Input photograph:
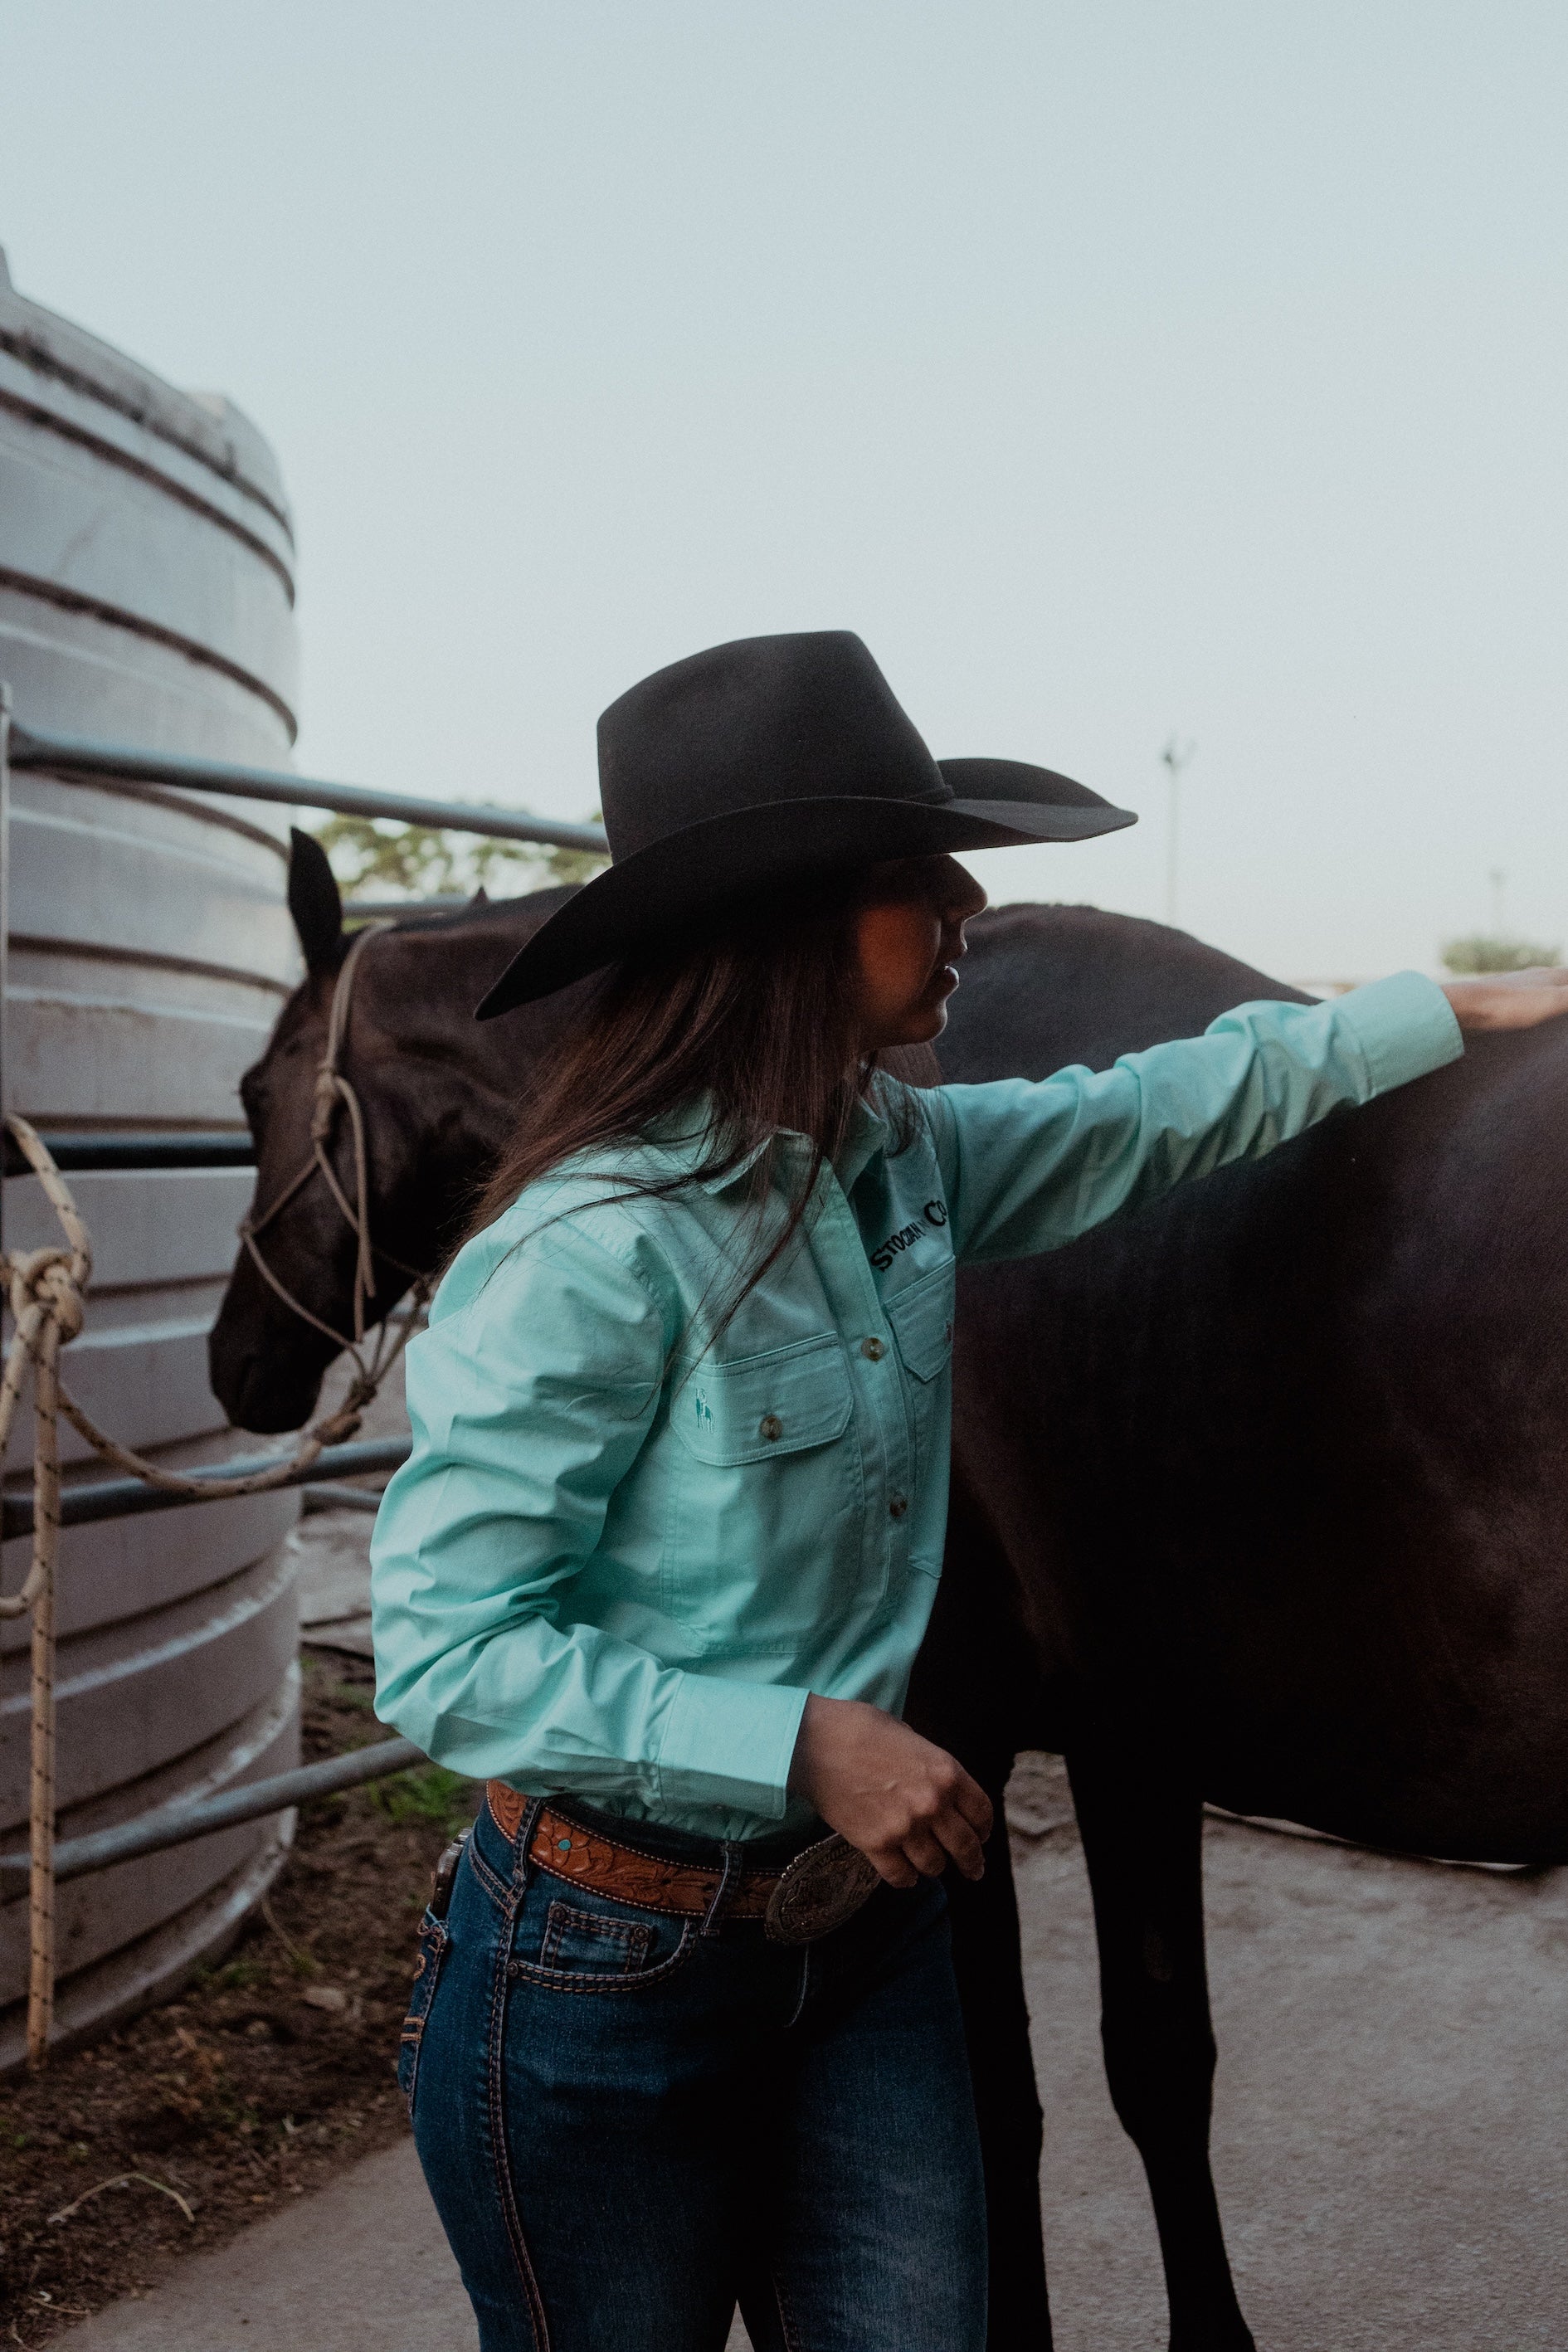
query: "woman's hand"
1510, 999
906, 1804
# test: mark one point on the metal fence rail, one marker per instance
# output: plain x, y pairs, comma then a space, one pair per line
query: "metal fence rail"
76, 1154
75, 760
128, 1498
176, 1825
69, 756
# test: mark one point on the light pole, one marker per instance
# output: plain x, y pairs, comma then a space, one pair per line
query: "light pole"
1175, 757
1497, 877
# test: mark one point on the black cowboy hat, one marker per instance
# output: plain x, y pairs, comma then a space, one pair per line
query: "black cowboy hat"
769, 759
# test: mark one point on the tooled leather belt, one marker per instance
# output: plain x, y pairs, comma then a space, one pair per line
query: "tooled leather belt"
811, 1896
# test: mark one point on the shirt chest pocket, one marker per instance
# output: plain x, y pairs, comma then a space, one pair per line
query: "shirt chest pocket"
764, 1406
920, 1319
921, 1322
769, 1496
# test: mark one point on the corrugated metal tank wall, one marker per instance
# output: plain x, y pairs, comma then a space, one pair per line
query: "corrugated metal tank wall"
146, 596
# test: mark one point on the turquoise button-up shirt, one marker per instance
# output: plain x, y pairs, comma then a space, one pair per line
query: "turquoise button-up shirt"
617, 1564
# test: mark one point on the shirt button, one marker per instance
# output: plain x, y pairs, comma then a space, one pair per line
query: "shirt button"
769, 1426
898, 1507
874, 1348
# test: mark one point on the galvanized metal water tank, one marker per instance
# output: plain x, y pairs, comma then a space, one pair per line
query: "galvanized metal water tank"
146, 596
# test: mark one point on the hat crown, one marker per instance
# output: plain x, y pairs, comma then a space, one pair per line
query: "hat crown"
803, 717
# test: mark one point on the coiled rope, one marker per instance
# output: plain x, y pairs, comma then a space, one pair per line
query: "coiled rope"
47, 1291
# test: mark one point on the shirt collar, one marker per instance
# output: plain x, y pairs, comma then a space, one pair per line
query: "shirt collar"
867, 1138
682, 1136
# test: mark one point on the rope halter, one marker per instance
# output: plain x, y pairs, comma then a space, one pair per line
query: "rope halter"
333, 1089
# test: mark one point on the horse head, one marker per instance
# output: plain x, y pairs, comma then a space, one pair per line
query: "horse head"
376, 1085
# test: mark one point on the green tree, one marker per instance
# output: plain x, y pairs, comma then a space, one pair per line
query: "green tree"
1482, 951
371, 854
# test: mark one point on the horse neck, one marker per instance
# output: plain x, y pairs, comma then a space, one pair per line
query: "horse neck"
459, 1081
1047, 986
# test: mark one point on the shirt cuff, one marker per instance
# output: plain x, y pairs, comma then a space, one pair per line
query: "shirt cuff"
1404, 1027
731, 1743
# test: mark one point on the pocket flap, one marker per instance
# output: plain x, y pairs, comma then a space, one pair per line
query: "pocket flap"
921, 1320
763, 1405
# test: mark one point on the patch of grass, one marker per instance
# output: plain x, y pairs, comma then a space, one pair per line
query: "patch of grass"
427, 1793
240, 1975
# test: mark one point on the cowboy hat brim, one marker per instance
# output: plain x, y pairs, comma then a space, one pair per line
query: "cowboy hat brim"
650, 895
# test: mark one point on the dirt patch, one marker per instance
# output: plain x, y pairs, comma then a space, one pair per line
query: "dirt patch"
271, 2072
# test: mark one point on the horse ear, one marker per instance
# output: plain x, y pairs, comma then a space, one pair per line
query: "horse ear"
314, 903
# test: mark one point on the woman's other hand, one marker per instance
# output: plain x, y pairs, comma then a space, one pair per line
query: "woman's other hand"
1510, 999
906, 1804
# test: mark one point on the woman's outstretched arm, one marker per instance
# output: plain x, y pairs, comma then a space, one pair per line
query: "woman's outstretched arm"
1030, 1166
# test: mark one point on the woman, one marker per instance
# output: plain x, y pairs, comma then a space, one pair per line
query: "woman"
669, 1536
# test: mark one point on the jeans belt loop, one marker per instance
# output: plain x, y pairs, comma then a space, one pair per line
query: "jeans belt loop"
728, 1882
521, 1863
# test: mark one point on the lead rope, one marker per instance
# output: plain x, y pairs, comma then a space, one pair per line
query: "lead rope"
46, 1288
48, 1294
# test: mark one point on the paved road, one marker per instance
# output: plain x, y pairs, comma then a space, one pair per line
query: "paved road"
362, 2267
1388, 2134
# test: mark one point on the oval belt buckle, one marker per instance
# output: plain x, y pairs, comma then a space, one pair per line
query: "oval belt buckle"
818, 1891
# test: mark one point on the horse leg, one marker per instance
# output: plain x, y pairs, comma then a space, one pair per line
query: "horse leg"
974, 1691
988, 1964
1142, 1843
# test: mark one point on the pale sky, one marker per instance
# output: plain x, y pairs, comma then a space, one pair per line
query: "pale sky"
1117, 369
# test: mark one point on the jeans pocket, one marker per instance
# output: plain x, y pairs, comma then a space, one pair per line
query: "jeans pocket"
574, 1939
434, 1939
594, 1944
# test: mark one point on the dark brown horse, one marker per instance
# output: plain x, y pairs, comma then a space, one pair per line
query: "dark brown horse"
1260, 1493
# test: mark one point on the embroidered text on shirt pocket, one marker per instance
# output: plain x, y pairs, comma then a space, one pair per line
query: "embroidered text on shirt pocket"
921, 1322
583, 1939
758, 1406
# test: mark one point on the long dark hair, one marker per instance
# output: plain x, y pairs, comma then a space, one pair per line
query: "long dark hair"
757, 1017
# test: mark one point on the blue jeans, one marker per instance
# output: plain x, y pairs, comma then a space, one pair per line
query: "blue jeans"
628, 2124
